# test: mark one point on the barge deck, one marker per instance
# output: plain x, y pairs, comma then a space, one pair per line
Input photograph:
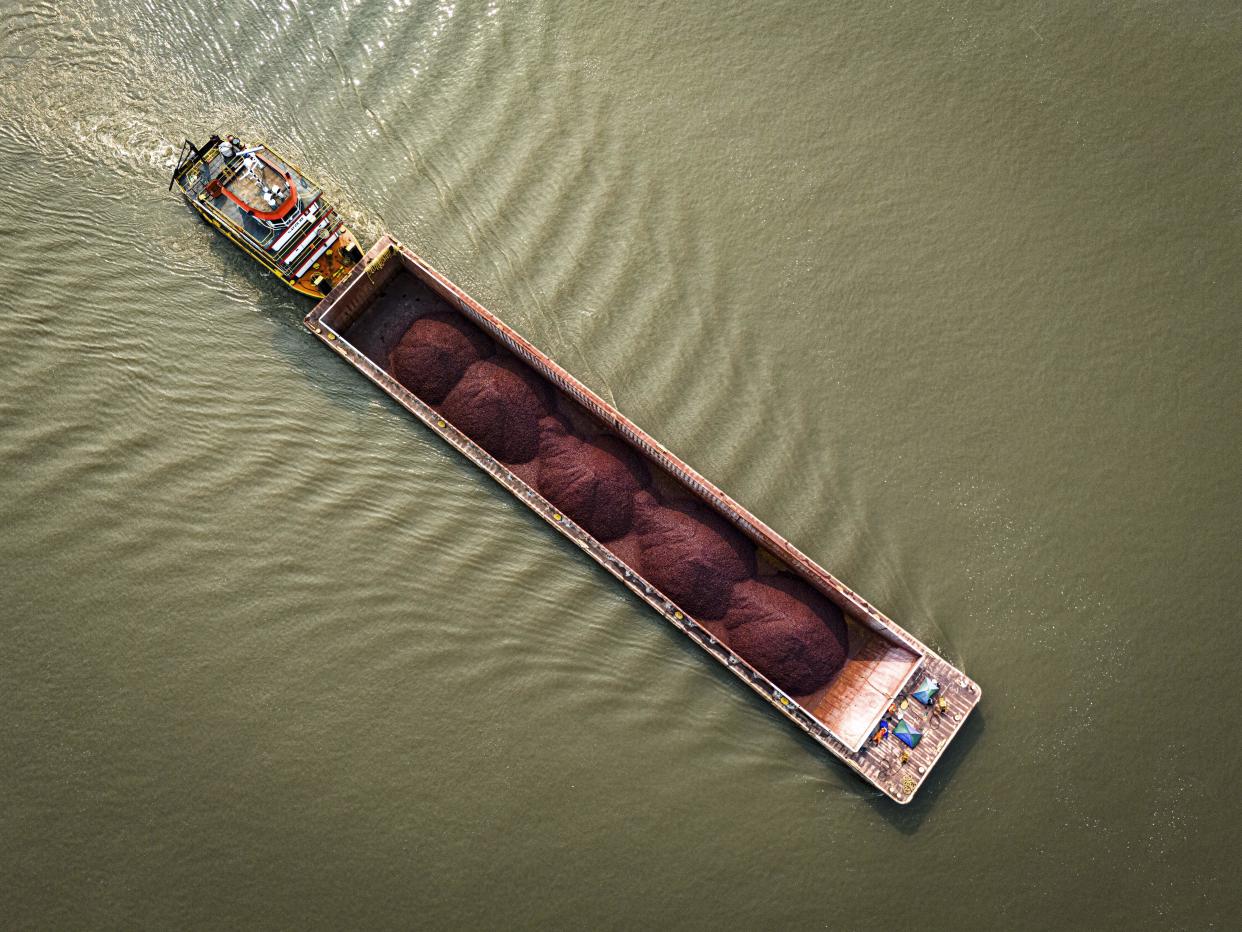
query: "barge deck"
363, 318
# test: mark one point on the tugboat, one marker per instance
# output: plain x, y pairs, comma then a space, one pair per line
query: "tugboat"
269, 209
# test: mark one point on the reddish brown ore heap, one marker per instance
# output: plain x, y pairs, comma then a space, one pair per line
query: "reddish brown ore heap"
496, 407
435, 353
691, 555
787, 631
593, 483
629, 459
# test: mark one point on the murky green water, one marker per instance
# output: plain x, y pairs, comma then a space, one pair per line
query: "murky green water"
946, 293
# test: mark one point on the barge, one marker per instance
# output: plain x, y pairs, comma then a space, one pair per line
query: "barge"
269, 209
890, 705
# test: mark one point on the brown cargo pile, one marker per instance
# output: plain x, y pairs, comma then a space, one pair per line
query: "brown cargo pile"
497, 407
788, 631
592, 482
435, 353
691, 555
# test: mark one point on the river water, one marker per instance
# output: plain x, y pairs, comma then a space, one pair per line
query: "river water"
946, 293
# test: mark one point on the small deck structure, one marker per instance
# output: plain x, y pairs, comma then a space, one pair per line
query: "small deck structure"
270, 209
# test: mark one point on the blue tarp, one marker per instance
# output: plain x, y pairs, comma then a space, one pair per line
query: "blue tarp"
906, 734
927, 691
